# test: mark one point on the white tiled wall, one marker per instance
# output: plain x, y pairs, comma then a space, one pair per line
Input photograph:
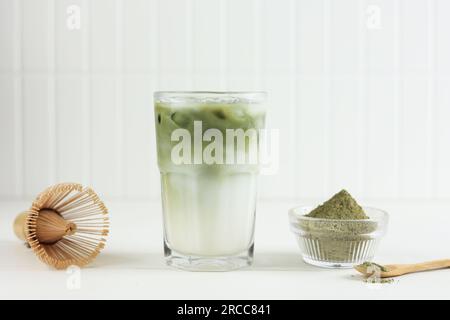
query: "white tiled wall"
360, 90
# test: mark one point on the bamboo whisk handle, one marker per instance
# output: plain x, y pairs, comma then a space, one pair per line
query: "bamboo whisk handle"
20, 226
50, 226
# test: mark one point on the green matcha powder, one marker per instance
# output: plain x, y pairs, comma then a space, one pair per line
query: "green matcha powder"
338, 240
340, 206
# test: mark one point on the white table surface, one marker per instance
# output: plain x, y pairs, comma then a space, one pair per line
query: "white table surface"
132, 267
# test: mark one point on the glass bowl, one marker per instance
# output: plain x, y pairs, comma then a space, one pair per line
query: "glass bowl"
331, 243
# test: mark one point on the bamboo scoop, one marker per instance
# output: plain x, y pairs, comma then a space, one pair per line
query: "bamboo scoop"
394, 270
66, 225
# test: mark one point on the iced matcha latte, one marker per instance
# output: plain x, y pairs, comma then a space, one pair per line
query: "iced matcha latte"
208, 158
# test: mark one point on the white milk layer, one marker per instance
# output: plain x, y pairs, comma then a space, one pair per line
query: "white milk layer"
209, 214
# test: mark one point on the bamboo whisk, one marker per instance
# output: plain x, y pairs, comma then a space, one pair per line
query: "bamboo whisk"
66, 225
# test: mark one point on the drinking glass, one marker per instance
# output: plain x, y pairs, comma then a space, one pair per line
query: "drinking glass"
208, 156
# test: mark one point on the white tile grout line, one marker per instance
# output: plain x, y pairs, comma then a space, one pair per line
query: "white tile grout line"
157, 77
327, 92
90, 93
51, 94
362, 98
118, 98
157, 52
87, 83
153, 8
431, 97
398, 95
294, 129
223, 16
258, 9
190, 38
18, 102
262, 43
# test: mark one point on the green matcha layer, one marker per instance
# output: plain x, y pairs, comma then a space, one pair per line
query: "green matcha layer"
216, 115
220, 116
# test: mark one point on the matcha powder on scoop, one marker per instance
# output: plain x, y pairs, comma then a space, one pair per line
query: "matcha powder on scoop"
341, 206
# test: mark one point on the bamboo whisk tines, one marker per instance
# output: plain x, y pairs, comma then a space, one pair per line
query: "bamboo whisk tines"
66, 225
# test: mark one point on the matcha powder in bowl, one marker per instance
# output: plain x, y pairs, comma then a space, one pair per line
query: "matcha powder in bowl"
339, 233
